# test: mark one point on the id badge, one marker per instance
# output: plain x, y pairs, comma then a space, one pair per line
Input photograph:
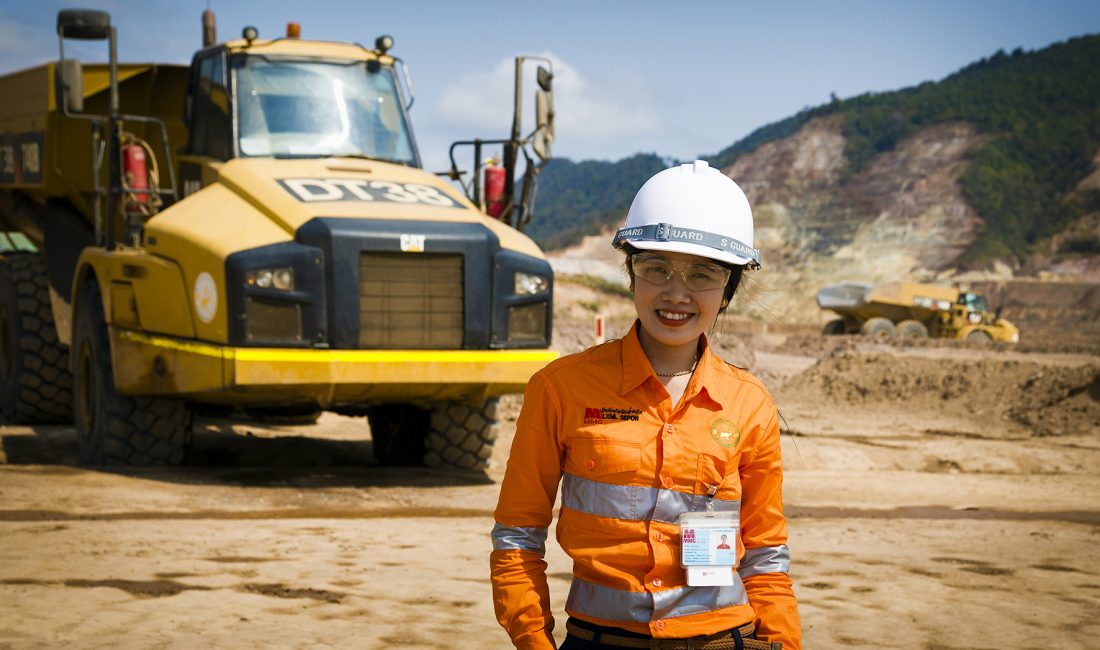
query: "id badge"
708, 547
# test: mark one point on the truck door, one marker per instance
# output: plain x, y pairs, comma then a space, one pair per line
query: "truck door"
209, 123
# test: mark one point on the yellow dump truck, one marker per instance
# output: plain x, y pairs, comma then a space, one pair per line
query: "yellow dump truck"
913, 310
255, 231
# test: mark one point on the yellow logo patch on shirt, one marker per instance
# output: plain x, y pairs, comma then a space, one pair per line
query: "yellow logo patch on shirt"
725, 432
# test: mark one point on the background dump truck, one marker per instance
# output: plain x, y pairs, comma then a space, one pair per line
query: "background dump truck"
255, 230
913, 310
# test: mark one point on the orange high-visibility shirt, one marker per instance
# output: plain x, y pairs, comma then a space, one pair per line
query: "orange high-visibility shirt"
630, 463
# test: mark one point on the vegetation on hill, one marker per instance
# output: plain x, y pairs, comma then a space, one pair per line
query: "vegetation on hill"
1042, 113
1039, 111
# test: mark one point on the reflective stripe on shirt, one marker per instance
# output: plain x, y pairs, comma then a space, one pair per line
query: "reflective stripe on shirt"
642, 607
766, 559
632, 502
519, 538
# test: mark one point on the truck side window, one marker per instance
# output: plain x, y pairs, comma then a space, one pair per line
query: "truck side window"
210, 117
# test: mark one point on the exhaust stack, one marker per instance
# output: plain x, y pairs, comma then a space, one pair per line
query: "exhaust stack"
209, 29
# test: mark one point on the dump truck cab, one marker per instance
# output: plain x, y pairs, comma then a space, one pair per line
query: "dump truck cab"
969, 317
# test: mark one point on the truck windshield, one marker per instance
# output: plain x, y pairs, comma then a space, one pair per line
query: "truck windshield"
308, 109
974, 302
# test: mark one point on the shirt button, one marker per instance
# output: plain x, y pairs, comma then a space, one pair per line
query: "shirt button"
591, 464
659, 536
670, 429
668, 482
657, 582
660, 625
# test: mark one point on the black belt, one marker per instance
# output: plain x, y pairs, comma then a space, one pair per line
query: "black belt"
734, 639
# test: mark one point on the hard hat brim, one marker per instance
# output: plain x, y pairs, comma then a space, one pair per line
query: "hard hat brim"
691, 249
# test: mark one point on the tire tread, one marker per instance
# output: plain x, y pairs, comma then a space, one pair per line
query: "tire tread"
43, 390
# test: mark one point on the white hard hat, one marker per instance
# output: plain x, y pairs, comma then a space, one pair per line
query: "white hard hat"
692, 208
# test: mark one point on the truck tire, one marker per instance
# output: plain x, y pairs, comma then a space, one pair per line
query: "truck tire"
878, 327
912, 329
35, 383
114, 429
834, 327
398, 432
981, 337
462, 435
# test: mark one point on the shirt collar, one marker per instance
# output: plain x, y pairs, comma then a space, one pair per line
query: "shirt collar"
637, 369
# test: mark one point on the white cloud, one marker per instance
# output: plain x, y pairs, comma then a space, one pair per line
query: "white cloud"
595, 118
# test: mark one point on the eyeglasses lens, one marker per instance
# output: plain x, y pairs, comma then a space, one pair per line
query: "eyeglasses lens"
697, 277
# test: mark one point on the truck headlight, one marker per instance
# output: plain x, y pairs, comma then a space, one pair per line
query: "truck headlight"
529, 284
281, 278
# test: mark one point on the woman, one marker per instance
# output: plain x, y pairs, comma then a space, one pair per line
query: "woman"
649, 436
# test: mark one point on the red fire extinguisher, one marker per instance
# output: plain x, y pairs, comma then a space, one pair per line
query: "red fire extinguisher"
494, 190
137, 177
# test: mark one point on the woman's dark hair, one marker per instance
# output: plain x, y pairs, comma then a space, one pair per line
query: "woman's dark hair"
736, 272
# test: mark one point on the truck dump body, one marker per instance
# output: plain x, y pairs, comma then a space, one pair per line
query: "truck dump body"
47, 154
897, 301
838, 297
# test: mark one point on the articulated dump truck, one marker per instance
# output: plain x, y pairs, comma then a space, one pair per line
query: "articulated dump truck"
255, 231
913, 310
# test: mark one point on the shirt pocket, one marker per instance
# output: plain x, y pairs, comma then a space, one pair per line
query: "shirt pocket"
601, 457
721, 473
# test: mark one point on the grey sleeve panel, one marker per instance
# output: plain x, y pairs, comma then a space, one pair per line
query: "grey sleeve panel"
766, 559
519, 538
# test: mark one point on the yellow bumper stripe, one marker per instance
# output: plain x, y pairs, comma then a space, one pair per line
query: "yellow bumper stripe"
315, 355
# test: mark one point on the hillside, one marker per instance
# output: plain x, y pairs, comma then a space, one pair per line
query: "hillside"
995, 166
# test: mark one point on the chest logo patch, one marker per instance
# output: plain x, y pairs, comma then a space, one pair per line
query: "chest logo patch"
599, 415
725, 432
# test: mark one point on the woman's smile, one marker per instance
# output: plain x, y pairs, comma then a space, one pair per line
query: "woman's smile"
671, 318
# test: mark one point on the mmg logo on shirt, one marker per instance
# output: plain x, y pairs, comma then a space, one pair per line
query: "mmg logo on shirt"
609, 413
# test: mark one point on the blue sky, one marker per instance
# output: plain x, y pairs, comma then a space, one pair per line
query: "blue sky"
678, 79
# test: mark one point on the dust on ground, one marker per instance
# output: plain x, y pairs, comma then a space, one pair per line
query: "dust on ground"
940, 495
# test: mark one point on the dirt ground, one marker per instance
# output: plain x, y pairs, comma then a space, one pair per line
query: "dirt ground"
941, 496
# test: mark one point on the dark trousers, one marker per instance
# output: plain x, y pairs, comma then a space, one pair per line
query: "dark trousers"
573, 643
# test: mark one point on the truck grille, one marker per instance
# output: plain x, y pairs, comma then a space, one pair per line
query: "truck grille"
410, 300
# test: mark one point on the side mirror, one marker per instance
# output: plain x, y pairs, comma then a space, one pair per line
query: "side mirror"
83, 24
70, 86
545, 79
544, 119
544, 114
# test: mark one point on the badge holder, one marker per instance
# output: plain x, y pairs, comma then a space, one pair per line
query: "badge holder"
708, 545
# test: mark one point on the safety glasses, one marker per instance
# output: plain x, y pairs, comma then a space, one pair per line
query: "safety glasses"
699, 276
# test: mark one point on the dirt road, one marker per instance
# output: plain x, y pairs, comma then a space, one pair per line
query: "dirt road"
953, 509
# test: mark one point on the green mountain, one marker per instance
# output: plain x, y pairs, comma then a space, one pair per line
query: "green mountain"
1038, 114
